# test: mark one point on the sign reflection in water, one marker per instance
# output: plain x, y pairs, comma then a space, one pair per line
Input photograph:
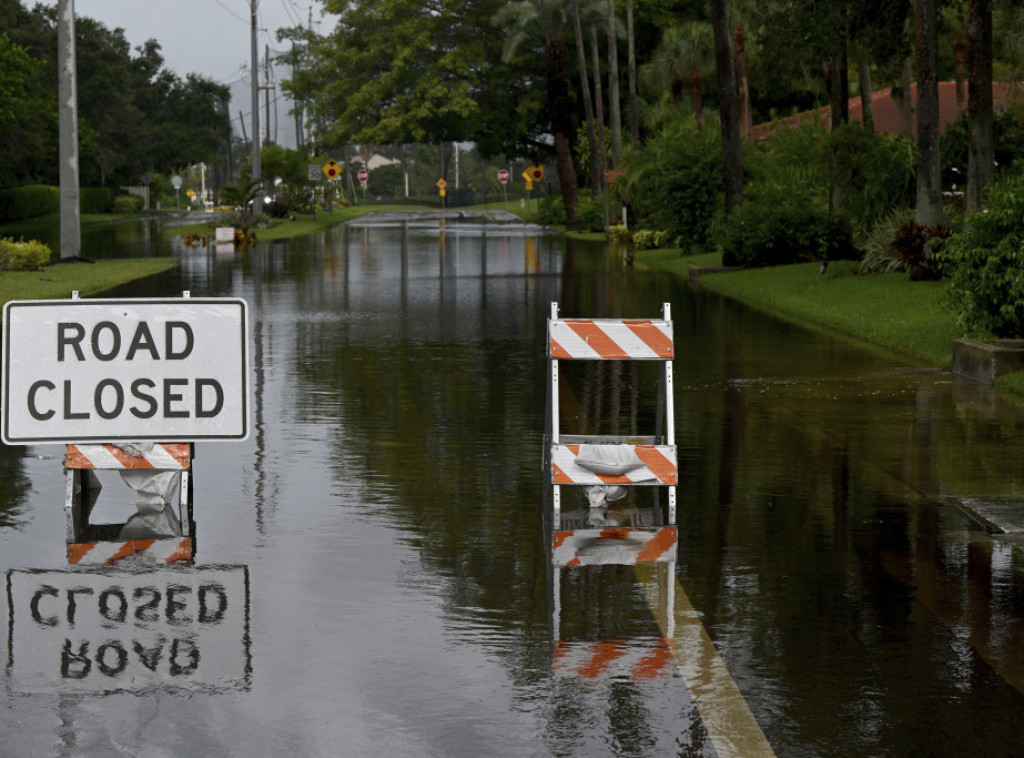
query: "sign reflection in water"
103, 631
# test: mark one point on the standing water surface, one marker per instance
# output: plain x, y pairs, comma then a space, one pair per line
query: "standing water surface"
379, 545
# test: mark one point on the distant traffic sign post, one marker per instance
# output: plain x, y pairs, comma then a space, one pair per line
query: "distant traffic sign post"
364, 177
503, 178
125, 370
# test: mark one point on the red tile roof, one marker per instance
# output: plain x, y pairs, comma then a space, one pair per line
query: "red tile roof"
886, 116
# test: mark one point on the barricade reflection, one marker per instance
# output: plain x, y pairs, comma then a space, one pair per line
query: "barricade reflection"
106, 630
606, 635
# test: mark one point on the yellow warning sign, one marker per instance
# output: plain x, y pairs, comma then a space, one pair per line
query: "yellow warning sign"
332, 170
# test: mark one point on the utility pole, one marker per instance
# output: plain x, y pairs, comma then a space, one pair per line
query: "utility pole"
266, 86
70, 209
257, 169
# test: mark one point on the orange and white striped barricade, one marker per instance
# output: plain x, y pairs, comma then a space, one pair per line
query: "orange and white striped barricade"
109, 543
595, 461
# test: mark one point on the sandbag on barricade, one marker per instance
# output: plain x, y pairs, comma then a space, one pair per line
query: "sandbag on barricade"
155, 516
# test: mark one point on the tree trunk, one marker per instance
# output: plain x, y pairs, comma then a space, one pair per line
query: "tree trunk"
980, 147
614, 106
696, 99
634, 115
595, 55
588, 108
730, 118
959, 53
559, 110
839, 86
903, 101
739, 35
929, 179
867, 102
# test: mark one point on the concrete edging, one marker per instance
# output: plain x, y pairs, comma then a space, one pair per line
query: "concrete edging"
984, 361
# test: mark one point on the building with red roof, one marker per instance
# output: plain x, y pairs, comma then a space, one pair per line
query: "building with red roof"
887, 114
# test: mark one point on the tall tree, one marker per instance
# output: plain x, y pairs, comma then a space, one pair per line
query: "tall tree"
730, 116
614, 104
634, 110
683, 57
929, 176
588, 107
549, 20
980, 147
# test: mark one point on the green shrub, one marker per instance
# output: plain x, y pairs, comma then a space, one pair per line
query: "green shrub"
127, 204
648, 239
618, 233
590, 211
880, 257
917, 245
874, 173
551, 211
30, 201
97, 199
984, 265
768, 234
675, 183
24, 256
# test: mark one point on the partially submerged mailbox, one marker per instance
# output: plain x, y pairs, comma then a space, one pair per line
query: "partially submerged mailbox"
114, 380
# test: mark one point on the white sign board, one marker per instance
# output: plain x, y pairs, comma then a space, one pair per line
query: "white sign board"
104, 631
134, 369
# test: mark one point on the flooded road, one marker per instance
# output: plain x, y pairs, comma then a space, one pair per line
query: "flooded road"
371, 573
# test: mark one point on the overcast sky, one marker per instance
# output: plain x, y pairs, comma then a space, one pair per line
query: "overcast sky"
208, 37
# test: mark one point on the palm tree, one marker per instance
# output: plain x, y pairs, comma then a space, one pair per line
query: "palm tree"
241, 196
550, 21
685, 55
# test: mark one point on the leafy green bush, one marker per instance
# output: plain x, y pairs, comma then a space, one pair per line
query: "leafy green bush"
551, 211
648, 239
1008, 146
97, 199
675, 183
30, 201
590, 211
773, 234
880, 257
984, 264
127, 204
22, 255
917, 245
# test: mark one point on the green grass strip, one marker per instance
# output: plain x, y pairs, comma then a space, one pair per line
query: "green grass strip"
885, 310
89, 279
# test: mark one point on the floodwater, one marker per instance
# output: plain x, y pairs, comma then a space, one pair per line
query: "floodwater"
372, 575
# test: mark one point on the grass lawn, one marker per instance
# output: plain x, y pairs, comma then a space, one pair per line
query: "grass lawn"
887, 310
89, 279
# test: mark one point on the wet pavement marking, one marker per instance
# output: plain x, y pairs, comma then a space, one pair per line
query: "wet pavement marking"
731, 725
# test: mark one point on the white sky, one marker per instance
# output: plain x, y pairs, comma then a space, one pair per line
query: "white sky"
209, 37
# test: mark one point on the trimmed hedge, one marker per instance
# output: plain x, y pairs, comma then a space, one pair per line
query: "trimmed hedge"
34, 200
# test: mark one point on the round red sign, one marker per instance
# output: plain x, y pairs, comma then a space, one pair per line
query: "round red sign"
503, 176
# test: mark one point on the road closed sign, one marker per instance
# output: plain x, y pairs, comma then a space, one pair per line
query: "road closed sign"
132, 369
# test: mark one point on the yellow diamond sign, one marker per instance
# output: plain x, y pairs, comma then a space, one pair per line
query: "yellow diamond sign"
331, 170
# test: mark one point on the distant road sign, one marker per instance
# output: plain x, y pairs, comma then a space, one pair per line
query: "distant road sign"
363, 175
312, 172
110, 370
441, 184
503, 176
